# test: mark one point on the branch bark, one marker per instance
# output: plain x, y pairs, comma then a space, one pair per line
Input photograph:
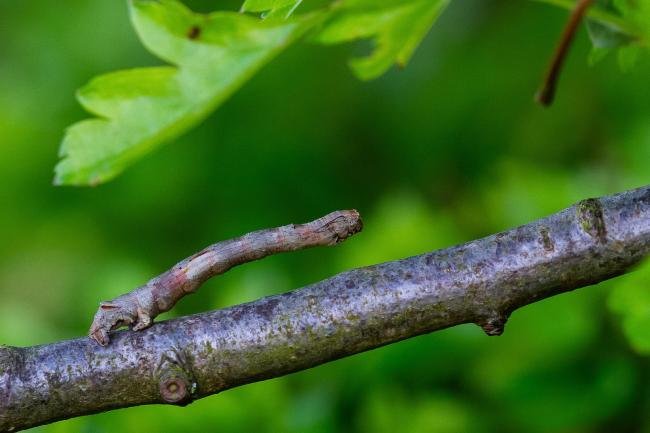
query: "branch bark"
180, 360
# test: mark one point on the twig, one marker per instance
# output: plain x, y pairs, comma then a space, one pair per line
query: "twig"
184, 359
139, 307
546, 94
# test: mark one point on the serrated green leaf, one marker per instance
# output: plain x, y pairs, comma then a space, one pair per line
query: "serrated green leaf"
396, 27
141, 108
212, 56
631, 299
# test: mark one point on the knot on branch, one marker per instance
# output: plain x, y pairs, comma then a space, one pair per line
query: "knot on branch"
175, 388
175, 380
590, 218
494, 325
546, 240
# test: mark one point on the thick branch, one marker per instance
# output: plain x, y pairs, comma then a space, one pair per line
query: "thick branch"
180, 360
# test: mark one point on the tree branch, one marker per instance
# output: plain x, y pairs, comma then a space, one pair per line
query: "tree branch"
180, 360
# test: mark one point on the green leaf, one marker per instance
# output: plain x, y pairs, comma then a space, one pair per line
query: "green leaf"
272, 8
267, 5
605, 37
212, 56
637, 13
631, 299
601, 15
140, 109
620, 25
396, 26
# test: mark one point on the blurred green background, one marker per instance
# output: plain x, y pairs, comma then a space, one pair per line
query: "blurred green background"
447, 150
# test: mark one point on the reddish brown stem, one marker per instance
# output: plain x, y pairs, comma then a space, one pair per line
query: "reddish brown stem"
546, 94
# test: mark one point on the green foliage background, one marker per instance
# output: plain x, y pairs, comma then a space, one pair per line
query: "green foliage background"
449, 149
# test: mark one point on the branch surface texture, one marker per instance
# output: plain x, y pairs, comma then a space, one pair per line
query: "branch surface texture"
184, 359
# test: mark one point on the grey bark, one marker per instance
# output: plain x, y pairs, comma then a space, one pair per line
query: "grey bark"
180, 360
